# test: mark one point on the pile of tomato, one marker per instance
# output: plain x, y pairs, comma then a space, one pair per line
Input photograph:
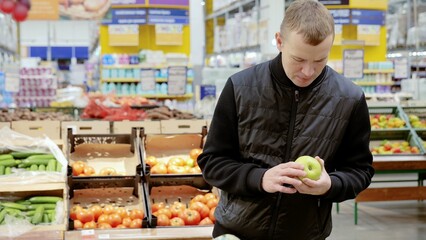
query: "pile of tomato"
199, 211
105, 217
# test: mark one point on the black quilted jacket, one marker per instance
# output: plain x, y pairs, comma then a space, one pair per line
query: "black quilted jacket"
263, 119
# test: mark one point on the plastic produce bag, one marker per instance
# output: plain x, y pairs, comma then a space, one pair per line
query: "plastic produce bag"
11, 141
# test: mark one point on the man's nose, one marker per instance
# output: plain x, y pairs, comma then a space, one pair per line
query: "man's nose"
308, 69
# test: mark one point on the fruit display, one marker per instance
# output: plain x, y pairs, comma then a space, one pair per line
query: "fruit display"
198, 211
35, 209
394, 147
416, 121
20, 161
105, 216
81, 169
177, 164
384, 121
27, 114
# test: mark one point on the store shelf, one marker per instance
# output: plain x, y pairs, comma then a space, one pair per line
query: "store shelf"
389, 95
164, 96
362, 83
232, 7
369, 71
159, 80
196, 232
143, 65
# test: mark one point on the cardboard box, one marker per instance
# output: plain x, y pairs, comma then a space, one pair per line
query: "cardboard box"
103, 151
51, 129
125, 127
20, 192
175, 126
85, 127
125, 197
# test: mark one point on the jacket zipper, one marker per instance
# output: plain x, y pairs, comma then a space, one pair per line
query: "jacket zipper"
287, 153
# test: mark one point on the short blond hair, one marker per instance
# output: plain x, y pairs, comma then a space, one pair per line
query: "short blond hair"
309, 18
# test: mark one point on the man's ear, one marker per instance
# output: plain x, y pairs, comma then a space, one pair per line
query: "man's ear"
278, 40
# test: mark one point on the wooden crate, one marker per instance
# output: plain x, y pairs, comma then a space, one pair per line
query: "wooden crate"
51, 129
4, 124
17, 192
125, 127
85, 127
177, 126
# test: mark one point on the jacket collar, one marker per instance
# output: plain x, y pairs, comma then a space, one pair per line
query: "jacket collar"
278, 74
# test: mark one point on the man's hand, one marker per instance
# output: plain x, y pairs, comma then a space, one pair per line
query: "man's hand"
283, 178
318, 187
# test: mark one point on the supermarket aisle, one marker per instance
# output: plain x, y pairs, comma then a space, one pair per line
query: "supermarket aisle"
400, 220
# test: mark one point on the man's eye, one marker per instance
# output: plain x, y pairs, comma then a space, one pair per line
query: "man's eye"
298, 60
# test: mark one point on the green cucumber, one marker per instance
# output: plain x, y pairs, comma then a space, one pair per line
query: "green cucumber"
5, 157
42, 167
58, 167
2, 214
14, 205
7, 171
28, 162
21, 155
44, 199
34, 167
38, 157
51, 166
8, 163
38, 215
2, 169
31, 213
45, 206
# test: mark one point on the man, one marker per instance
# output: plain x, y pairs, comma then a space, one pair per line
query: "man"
276, 111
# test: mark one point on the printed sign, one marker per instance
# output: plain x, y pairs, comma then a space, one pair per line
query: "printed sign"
123, 35
169, 34
402, 69
177, 79
353, 63
147, 79
125, 16
44, 10
168, 16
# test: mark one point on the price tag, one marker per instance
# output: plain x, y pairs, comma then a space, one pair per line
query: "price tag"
88, 232
401, 68
177, 80
147, 79
353, 63
103, 236
207, 90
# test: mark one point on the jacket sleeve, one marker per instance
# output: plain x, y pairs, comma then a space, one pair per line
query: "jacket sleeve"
221, 161
352, 164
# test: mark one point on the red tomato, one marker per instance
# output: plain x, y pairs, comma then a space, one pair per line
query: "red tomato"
177, 208
103, 218
126, 221
114, 219
199, 198
96, 210
211, 214
74, 210
104, 225
211, 203
88, 170
90, 224
190, 217
78, 224
85, 216
136, 223
194, 153
122, 212
165, 211
177, 221
108, 209
163, 220
206, 221
156, 206
201, 208
136, 214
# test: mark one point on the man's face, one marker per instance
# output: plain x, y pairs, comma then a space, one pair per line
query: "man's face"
302, 62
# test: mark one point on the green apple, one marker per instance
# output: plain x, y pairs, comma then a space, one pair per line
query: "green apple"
312, 168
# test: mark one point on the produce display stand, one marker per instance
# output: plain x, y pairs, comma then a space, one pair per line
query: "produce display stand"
21, 191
